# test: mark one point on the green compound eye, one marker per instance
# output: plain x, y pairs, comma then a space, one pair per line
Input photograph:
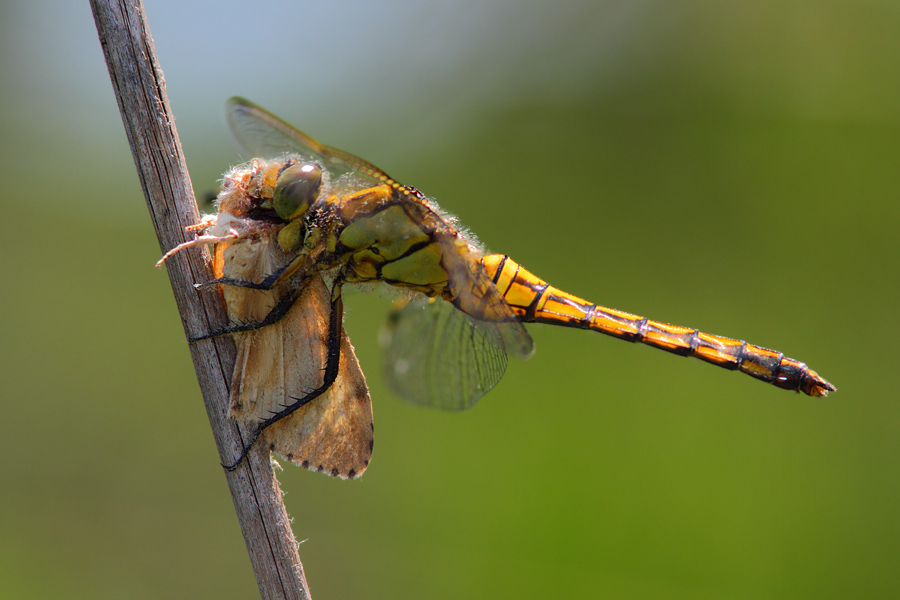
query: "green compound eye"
296, 190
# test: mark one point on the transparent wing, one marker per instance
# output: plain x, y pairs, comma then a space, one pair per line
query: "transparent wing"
263, 135
476, 295
438, 356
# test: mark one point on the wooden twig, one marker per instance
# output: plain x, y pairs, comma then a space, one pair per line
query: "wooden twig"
140, 91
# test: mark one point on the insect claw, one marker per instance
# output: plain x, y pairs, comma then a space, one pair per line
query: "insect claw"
205, 284
244, 452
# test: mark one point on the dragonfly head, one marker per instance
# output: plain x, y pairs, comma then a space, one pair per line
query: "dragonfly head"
296, 189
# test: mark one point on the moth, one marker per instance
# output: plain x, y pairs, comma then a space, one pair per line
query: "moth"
332, 434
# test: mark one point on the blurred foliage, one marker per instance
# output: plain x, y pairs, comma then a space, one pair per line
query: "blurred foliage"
729, 166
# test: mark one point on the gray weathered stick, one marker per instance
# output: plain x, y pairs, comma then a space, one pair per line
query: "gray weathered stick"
140, 91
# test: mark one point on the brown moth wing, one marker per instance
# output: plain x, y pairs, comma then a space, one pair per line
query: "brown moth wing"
332, 434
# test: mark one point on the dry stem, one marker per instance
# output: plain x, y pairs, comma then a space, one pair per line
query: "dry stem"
140, 91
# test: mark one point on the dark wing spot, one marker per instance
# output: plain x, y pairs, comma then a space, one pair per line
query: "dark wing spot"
366, 462
271, 447
290, 456
305, 464
321, 469
361, 392
335, 472
351, 473
371, 444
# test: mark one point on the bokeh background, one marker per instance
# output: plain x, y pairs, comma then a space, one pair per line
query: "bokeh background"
725, 165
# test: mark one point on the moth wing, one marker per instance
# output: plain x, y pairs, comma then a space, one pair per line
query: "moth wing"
282, 362
333, 434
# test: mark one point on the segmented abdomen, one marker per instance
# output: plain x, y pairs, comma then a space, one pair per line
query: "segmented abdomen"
535, 301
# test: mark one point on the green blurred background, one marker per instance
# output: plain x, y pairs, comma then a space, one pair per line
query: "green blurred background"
725, 165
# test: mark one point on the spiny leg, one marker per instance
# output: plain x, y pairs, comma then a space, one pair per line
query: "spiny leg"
280, 275
276, 314
332, 365
266, 284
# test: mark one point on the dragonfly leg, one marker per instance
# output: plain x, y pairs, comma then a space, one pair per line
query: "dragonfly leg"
272, 280
335, 325
301, 262
276, 314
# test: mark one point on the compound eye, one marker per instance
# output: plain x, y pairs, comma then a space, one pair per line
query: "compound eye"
296, 190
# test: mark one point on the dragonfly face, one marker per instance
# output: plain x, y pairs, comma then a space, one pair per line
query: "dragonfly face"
306, 213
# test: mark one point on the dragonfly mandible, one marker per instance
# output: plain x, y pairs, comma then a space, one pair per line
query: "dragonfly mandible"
302, 220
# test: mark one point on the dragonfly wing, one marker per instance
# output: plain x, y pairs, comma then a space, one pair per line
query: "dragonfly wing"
476, 295
438, 356
263, 135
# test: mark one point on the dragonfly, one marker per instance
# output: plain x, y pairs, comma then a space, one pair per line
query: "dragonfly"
302, 220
